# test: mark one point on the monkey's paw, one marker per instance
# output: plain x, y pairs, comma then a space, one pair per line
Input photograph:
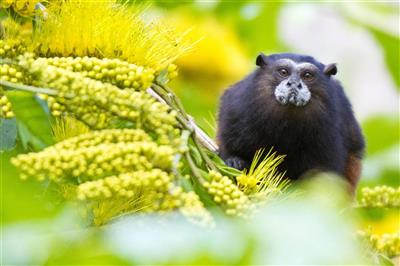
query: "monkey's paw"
236, 162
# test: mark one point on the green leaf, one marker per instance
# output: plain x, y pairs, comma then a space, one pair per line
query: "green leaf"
388, 42
222, 167
8, 134
34, 126
390, 47
385, 261
374, 127
229, 171
204, 196
195, 154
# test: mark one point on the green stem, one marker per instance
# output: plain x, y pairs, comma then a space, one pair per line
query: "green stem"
194, 169
160, 96
200, 139
8, 61
15, 86
165, 92
203, 155
172, 96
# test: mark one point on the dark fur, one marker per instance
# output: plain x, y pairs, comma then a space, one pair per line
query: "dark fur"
322, 135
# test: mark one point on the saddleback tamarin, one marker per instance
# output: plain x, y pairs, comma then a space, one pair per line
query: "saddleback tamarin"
291, 103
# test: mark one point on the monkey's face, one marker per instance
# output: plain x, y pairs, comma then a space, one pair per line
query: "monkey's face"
295, 82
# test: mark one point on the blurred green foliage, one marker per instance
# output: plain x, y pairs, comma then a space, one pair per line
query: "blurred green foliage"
390, 46
24, 200
385, 126
301, 230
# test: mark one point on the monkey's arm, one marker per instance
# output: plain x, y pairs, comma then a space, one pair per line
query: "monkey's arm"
236, 162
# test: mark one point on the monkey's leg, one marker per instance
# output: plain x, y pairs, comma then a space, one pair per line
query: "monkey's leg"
353, 172
236, 162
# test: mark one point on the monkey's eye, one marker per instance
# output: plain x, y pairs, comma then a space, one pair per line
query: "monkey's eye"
283, 72
308, 76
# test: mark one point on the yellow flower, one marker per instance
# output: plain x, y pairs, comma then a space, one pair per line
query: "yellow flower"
108, 29
262, 179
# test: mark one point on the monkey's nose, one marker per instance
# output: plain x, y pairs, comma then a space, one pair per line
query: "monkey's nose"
294, 85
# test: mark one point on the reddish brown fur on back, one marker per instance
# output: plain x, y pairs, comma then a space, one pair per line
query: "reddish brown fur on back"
353, 171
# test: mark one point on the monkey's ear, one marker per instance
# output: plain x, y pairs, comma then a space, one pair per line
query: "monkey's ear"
330, 69
261, 60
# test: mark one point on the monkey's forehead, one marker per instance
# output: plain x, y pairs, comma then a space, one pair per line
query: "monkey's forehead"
297, 58
297, 65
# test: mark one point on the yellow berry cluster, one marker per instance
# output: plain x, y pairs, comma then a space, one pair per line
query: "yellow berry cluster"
11, 73
101, 105
113, 165
126, 185
105, 136
227, 194
115, 71
170, 201
194, 209
5, 107
188, 203
11, 48
380, 197
388, 244
153, 190
88, 163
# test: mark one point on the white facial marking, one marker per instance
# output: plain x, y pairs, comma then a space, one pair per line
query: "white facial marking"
293, 90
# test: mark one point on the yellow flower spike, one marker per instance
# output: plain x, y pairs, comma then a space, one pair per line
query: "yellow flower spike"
262, 179
68, 159
97, 104
69, 30
67, 127
98, 67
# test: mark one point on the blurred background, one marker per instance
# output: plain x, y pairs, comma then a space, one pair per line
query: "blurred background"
362, 37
